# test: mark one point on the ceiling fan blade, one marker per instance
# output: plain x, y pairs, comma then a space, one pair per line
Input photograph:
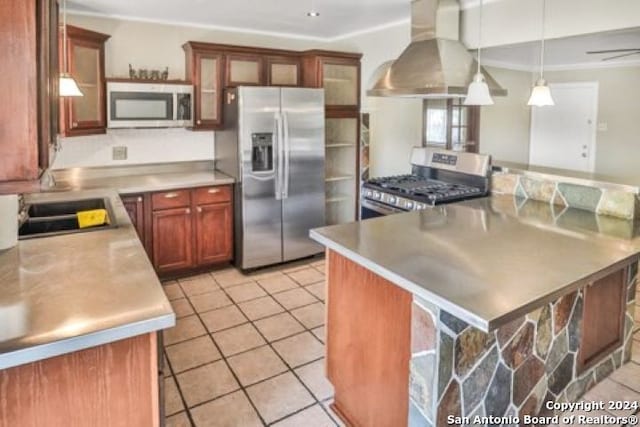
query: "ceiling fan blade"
591, 52
621, 56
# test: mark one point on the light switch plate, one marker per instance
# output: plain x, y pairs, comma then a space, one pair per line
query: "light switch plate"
603, 127
119, 152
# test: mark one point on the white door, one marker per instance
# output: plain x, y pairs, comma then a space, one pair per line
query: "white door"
563, 136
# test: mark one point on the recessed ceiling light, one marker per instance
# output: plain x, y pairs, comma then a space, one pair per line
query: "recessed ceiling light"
313, 14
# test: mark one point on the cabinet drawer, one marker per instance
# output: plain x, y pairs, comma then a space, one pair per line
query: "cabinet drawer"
171, 199
206, 195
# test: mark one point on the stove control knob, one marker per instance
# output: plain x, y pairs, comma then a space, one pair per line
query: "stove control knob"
409, 205
376, 195
367, 193
392, 200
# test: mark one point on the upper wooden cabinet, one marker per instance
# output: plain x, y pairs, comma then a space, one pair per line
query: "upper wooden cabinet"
205, 68
85, 115
283, 71
338, 73
28, 45
244, 70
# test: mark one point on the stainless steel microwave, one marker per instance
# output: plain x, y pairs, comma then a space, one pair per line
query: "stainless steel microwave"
149, 105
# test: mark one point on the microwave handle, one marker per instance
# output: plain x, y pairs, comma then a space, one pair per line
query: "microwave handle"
175, 106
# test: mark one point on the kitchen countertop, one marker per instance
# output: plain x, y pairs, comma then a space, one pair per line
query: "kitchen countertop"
479, 262
576, 177
146, 182
66, 293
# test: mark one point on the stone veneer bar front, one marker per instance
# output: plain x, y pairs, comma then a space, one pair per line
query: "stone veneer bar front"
460, 371
415, 337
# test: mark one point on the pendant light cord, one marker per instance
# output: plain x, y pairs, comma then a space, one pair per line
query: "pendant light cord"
64, 36
480, 38
544, 15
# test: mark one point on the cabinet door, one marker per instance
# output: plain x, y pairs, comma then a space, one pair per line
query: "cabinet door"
283, 71
135, 208
214, 233
341, 82
603, 313
172, 239
208, 82
85, 114
243, 70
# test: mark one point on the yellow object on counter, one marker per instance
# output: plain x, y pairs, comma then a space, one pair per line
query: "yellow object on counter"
92, 218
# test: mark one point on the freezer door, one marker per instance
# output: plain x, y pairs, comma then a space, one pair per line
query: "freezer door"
303, 200
260, 138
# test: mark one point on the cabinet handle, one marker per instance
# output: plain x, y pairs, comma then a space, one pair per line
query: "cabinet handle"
74, 124
213, 191
171, 195
139, 200
187, 211
199, 209
199, 122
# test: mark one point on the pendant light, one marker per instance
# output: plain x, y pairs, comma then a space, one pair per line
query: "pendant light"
313, 12
68, 86
478, 93
541, 94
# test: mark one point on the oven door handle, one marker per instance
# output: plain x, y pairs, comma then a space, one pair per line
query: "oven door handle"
381, 208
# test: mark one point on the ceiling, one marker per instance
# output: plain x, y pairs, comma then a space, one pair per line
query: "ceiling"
337, 17
566, 53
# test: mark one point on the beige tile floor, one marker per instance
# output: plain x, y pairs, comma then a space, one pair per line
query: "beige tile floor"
248, 350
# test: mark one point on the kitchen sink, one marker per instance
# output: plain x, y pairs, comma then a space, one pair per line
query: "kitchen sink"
57, 218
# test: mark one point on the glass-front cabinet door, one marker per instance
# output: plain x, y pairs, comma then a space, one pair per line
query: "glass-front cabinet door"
340, 82
208, 90
244, 70
85, 114
283, 71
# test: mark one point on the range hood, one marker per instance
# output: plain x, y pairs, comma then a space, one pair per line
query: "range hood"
435, 64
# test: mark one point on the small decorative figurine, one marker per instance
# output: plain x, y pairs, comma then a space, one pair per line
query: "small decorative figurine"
132, 72
143, 74
165, 74
155, 75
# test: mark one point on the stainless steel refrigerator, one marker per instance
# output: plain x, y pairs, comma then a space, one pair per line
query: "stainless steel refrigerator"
273, 145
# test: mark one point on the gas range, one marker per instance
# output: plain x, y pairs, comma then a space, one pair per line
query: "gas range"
438, 177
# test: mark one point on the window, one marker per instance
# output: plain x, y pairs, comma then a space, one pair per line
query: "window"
450, 124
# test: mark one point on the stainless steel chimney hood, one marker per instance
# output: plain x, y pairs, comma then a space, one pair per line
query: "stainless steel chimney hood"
435, 64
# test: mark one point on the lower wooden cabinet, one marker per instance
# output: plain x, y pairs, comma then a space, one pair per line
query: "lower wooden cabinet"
603, 314
183, 230
214, 233
172, 239
135, 208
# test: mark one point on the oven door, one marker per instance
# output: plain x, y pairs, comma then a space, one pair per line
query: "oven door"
371, 209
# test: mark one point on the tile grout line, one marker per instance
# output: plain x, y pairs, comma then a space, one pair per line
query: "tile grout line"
224, 360
268, 343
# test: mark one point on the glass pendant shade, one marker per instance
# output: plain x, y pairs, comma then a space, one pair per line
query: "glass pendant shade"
541, 95
68, 86
478, 93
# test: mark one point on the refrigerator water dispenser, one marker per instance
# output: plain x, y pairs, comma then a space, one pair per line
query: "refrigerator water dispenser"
262, 152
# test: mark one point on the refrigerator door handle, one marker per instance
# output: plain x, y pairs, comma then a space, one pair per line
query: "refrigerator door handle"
286, 150
279, 157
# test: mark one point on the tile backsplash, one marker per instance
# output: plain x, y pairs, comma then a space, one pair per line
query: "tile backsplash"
143, 146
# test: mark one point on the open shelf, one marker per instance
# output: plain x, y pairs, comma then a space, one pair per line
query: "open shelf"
339, 198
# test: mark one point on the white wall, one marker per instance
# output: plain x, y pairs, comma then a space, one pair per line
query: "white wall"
156, 46
144, 146
153, 46
504, 126
618, 107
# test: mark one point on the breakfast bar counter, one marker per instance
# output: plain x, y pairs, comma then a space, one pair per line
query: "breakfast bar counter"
486, 307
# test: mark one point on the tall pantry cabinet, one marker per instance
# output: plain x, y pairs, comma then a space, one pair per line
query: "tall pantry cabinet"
339, 74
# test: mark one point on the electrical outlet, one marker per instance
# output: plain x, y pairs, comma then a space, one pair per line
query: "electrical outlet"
119, 152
